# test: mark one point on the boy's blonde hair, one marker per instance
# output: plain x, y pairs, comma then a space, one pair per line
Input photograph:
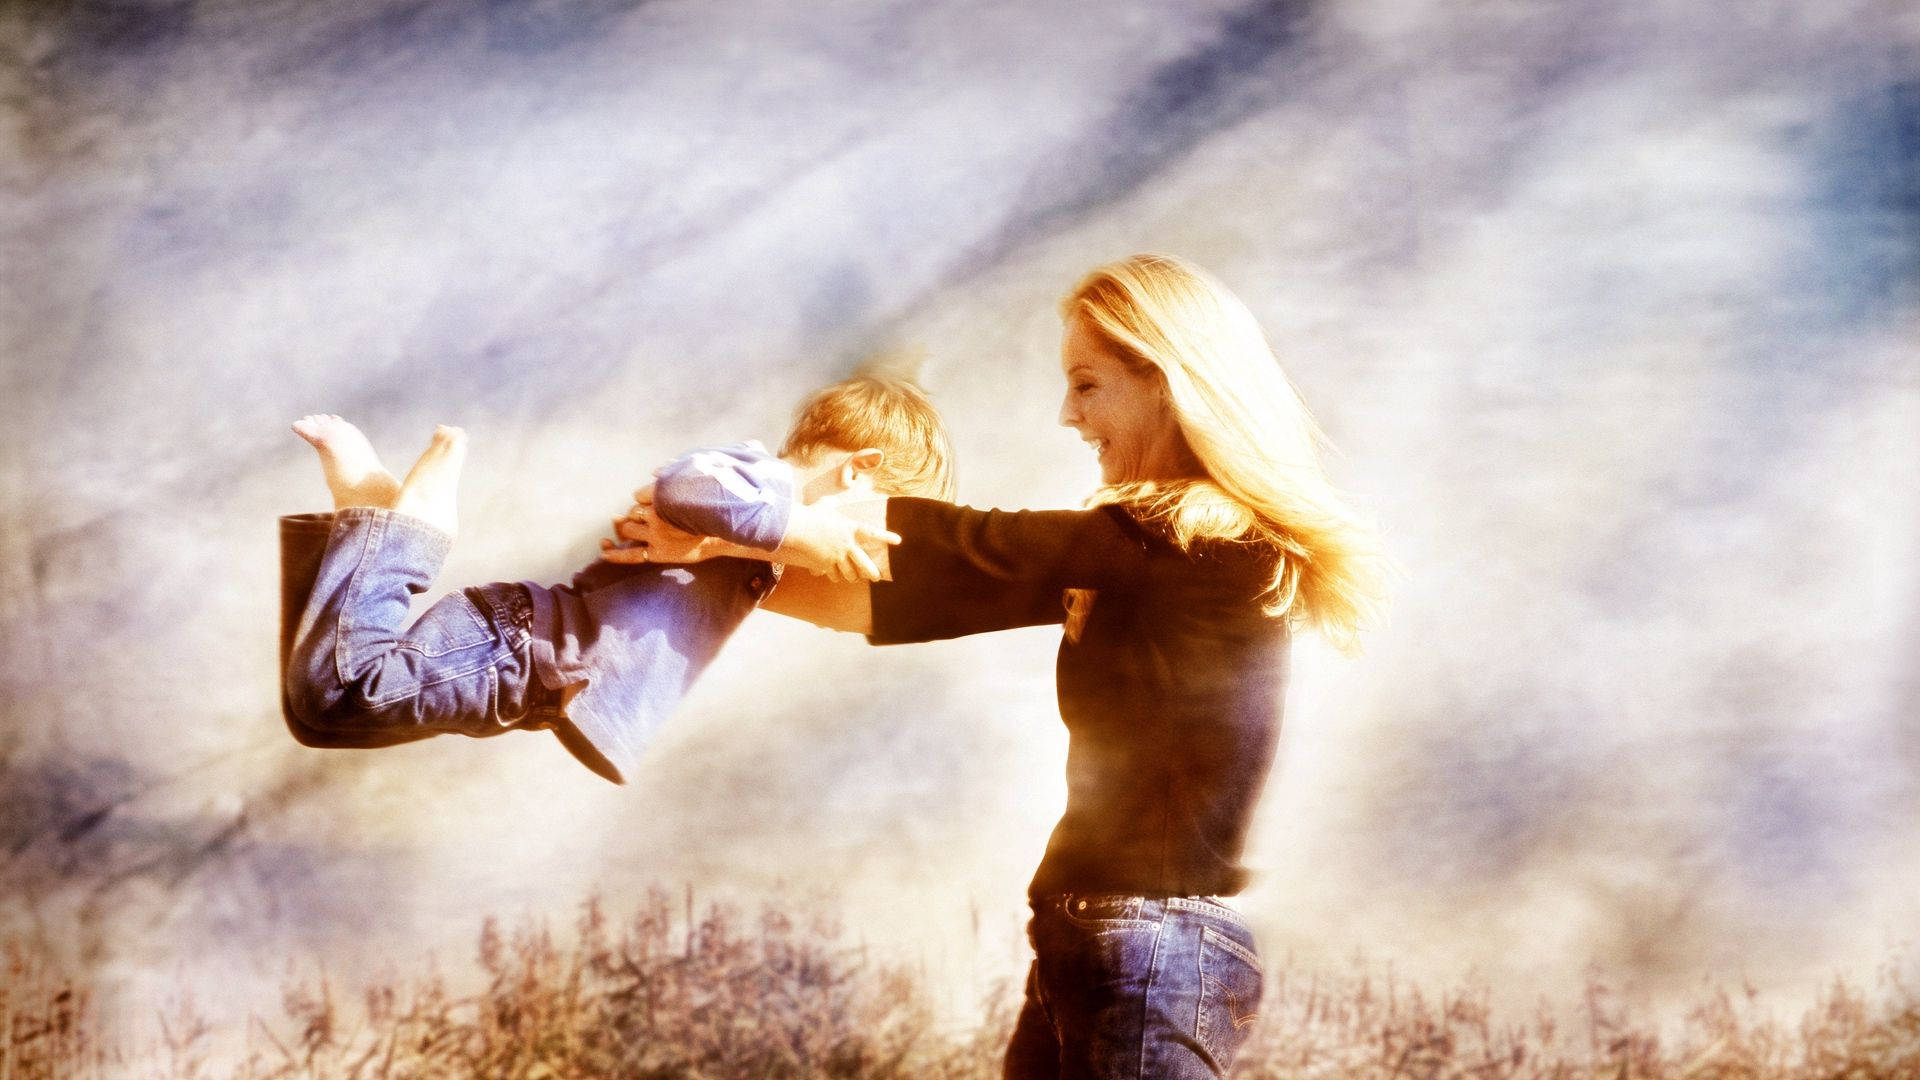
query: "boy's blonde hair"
888, 413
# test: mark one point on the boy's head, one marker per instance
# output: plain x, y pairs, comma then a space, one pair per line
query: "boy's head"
873, 429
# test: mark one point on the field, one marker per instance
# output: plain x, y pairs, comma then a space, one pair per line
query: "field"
665, 992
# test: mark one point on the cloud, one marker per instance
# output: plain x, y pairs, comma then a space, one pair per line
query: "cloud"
1610, 313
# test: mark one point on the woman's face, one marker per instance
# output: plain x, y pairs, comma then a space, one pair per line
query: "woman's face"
1121, 413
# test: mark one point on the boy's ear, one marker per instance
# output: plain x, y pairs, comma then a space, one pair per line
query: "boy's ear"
861, 463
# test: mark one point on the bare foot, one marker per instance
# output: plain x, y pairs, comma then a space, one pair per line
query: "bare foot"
354, 473
432, 483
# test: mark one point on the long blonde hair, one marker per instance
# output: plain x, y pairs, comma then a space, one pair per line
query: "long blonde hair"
1251, 433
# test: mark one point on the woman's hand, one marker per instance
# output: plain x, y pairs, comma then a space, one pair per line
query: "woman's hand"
641, 536
826, 541
819, 538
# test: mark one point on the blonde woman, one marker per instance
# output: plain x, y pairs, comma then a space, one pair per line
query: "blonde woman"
1214, 537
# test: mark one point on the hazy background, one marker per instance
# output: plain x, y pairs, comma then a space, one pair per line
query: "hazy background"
1614, 311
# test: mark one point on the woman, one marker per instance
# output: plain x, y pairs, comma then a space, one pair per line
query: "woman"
1216, 534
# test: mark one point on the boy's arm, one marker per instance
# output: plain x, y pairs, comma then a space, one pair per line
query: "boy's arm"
847, 542
738, 493
744, 498
837, 603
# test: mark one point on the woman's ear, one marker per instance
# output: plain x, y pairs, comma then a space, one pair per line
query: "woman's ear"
860, 463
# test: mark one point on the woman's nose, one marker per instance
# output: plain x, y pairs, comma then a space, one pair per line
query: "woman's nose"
1069, 415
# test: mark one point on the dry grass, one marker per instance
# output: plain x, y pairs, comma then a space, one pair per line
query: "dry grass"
1357, 1026
47, 1026
720, 996
655, 998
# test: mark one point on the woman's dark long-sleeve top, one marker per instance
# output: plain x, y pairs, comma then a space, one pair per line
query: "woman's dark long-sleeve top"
1171, 696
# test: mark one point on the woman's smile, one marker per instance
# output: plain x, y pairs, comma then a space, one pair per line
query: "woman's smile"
1120, 411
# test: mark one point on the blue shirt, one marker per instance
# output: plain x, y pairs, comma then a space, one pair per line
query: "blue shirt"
638, 635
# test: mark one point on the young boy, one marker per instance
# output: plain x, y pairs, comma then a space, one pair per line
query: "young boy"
601, 662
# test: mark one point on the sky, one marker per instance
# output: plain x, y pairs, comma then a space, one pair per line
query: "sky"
1612, 314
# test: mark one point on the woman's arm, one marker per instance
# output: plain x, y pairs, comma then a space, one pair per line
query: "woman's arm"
961, 571
957, 570
836, 605
843, 604
843, 541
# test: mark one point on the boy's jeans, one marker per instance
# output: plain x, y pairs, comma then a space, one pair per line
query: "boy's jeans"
1146, 988
355, 675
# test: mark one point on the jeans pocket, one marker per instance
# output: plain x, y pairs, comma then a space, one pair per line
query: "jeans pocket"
1094, 983
453, 623
1230, 986
1103, 912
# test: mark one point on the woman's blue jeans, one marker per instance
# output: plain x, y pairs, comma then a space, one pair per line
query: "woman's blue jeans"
1135, 987
355, 674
